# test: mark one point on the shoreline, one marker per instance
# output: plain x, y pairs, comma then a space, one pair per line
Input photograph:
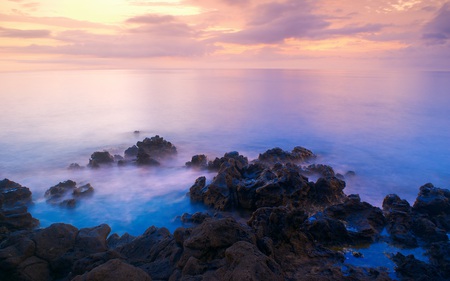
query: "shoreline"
298, 229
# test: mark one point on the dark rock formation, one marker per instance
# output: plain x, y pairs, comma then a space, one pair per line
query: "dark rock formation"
114, 269
131, 152
14, 213
239, 161
67, 194
99, 158
363, 221
198, 161
13, 194
239, 185
154, 149
297, 155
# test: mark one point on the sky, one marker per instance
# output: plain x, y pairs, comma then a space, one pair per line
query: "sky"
299, 34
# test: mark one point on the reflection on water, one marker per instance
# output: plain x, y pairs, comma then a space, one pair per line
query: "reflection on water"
390, 128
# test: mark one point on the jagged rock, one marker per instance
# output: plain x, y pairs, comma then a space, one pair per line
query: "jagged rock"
412, 269
156, 252
13, 194
434, 203
114, 269
255, 186
84, 190
245, 262
152, 150
198, 161
196, 192
209, 240
275, 155
17, 218
439, 254
131, 152
99, 158
93, 239
328, 231
54, 193
115, 241
363, 221
75, 166
90, 262
196, 218
399, 220
319, 169
61, 193
239, 161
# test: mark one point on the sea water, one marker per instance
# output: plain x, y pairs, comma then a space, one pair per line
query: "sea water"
391, 128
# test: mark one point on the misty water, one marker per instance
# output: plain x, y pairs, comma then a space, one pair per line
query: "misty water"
390, 128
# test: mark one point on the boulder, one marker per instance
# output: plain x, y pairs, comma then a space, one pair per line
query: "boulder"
54, 241
13, 194
131, 152
154, 149
99, 158
239, 161
198, 161
56, 192
17, 218
245, 262
84, 190
277, 155
399, 220
434, 203
66, 194
209, 240
114, 269
363, 221
156, 252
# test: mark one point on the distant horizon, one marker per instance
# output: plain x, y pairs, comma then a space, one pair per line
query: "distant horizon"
224, 34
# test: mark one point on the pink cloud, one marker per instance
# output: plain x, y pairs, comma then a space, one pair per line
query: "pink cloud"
437, 31
20, 33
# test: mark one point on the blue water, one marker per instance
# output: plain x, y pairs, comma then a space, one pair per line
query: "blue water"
391, 128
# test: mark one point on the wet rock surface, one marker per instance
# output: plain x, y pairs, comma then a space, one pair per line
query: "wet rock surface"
67, 194
296, 229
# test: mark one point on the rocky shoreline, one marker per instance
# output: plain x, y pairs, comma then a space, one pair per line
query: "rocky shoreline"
297, 229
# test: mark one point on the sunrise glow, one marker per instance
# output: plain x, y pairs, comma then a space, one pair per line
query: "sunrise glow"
197, 33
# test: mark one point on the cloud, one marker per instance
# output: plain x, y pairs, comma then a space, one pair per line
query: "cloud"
437, 31
150, 19
271, 23
20, 33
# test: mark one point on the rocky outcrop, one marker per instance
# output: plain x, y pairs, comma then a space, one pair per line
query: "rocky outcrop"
277, 155
297, 229
13, 194
152, 150
67, 194
99, 158
14, 213
239, 185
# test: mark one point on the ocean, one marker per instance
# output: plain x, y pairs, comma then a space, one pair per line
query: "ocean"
391, 128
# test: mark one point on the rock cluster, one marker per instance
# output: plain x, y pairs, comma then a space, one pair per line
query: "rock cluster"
67, 194
295, 231
14, 213
262, 183
148, 152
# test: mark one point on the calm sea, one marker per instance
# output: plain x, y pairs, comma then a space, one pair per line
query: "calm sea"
391, 128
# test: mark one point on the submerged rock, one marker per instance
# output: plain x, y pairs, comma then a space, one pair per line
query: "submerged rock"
67, 194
